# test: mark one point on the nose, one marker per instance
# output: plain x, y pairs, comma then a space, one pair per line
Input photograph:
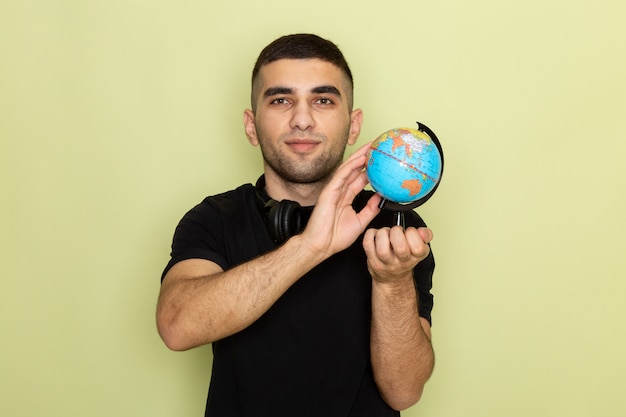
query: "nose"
302, 117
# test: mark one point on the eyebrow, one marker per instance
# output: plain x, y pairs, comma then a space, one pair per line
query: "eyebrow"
326, 89
323, 89
276, 91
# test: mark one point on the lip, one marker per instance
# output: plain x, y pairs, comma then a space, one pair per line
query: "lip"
302, 145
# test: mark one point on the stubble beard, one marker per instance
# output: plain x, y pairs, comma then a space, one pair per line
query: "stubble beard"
301, 170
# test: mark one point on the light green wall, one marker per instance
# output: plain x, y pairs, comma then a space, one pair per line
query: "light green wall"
117, 116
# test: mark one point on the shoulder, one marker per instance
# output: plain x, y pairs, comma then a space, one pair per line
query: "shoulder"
216, 213
226, 202
241, 194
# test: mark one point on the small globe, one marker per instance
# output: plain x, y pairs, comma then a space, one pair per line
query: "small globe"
405, 165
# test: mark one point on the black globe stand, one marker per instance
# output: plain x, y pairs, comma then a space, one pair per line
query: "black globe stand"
398, 217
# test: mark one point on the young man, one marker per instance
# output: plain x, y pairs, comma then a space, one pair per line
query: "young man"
309, 313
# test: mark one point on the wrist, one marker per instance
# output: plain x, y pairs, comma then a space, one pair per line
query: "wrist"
397, 287
304, 251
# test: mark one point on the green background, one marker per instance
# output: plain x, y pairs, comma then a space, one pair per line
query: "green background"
118, 116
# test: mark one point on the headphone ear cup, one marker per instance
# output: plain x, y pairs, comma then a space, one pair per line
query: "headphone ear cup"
284, 220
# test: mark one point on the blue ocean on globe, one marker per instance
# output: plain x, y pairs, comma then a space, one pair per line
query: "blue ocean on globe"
404, 165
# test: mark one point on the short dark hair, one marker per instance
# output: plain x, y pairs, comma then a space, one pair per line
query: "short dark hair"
301, 46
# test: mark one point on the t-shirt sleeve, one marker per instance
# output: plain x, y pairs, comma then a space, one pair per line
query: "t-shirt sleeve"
423, 276
199, 235
423, 273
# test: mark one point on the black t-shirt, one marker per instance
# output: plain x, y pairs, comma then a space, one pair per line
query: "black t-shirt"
309, 354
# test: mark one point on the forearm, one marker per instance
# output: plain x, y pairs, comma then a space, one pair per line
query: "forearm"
196, 308
402, 354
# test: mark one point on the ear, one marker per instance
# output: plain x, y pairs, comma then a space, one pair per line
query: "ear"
356, 120
250, 127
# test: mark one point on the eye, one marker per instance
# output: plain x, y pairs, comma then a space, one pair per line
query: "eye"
324, 101
279, 101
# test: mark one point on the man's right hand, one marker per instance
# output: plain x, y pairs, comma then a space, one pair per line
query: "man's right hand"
334, 225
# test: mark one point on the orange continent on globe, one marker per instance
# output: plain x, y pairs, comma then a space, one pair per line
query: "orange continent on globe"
413, 186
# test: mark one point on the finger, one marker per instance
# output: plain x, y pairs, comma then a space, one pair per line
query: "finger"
382, 243
373, 240
400, 243
369, 245
368, 241
370, 210
352, 167
426, 234
357, 156
418, 246
362, 151
357, 178
348, 171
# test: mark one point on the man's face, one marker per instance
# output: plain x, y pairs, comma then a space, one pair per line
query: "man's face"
302, 120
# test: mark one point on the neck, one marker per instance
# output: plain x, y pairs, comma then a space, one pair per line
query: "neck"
303, 193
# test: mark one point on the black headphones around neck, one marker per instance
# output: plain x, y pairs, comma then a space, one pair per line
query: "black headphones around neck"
284, 218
